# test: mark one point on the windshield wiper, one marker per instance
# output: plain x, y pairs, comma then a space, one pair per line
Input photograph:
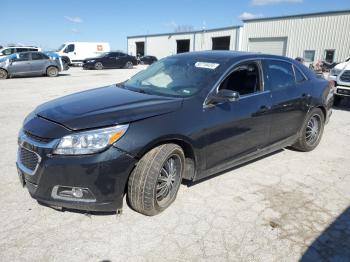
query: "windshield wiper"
138, 90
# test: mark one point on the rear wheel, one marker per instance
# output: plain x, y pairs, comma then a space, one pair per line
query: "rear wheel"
52, 71
311, 132
129, 65
98, 66
337, 100
3, 74
155, 181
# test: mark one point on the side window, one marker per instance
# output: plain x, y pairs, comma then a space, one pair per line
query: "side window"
21, 57
245, 79
7, 51
299, 77
69, 48
120, 54
112, 55
21, 49
39, 56
280, 74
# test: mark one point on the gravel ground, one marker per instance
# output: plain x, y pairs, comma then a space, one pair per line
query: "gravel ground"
284, 207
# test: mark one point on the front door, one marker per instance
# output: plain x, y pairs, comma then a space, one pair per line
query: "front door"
20, 65
240, 127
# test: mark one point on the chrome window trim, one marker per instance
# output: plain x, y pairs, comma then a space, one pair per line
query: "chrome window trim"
300, 71
258, 60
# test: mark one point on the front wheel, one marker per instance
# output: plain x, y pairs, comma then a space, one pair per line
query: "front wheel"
129, 65
3, 74
98, 66
155, 181
52, 71
311, 132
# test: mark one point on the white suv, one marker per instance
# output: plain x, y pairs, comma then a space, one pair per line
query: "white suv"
17, 49
340, 74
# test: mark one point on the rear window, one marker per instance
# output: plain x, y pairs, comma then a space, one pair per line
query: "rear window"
299, 77
280, 74
39, 56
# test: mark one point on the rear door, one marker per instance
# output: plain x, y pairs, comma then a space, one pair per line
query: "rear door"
289, 98
110, 60
20, 65
121, 59
39, 63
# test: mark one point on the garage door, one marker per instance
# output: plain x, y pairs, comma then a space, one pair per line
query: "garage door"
273, 46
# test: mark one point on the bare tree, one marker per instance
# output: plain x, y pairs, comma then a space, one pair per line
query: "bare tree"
183, 28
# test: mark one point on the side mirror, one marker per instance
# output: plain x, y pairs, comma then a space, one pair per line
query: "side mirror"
223, 96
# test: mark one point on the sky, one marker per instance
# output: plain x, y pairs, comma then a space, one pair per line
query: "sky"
48, 24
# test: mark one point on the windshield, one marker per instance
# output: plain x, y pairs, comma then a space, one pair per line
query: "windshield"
175, 76
60, 48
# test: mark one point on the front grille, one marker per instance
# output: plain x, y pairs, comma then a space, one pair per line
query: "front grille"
343, 91
37, 138
345, 77
28, 158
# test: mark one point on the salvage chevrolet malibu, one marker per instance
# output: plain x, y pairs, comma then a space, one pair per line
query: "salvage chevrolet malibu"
187, 116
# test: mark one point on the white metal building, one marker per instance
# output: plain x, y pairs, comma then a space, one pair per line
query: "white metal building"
314, 37
161, 45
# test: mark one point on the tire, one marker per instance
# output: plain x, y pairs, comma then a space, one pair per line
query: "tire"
153, 184
52, 71
337, 100
98, 66
3, 74
129, 65
311, 132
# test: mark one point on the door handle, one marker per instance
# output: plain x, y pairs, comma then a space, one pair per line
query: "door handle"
305, 95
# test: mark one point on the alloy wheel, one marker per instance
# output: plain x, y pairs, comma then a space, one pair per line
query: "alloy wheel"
313, 130
98, 66
168, 180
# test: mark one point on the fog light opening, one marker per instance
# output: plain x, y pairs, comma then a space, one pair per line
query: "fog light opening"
72, 194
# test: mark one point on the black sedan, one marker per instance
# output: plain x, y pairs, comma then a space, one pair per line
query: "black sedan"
110, 60
147, 60
187, 116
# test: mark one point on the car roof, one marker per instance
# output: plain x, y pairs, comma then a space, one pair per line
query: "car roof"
229, 55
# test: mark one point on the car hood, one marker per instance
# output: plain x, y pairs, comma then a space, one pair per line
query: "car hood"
343, 66
105, 106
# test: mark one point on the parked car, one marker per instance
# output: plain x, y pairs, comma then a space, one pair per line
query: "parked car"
17, 49
29, 64
110, 60
74, 53
147, 60
340, 76
187, 116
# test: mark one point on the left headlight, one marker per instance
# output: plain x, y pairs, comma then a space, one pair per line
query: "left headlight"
91, 61
90, 142
335, 72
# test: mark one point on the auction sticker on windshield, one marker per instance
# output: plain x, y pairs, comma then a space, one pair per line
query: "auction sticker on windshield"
206, 65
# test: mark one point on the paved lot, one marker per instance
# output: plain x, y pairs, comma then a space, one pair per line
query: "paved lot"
284, 207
